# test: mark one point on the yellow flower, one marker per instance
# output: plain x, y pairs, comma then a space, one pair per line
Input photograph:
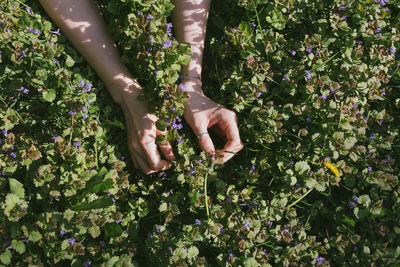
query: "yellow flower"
332, 168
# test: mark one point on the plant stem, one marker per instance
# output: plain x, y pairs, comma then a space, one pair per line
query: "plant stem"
303, 196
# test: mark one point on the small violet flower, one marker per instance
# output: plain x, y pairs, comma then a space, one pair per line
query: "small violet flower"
320, 260
167, 44
197, 221
246, 225
71, 241
308, 76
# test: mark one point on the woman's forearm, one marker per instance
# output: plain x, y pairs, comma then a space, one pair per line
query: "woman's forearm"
81, 22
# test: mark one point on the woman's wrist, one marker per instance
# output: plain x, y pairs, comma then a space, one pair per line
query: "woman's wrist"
122, 88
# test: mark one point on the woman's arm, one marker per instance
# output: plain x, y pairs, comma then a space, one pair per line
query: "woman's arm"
190, 21
84, 27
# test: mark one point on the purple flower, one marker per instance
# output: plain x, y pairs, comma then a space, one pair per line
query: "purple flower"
23, 54
113, 200
57, 32
393, 50
76, 144
14, 6
246, 225
55, 138
259, 93
149, 17
230, 254
88, 87
293, 52
81, 83
71, 241
4, 132
24, 90
351, 203
13, 154
151, 40
118, 221
138, 12
29, 10
175, 125
169, 28
342, 7
355, 198
369, 169
379, 35
308, 119
309, 49
371, 136
252, 169
62, 233
253, 24
308, 76
179, 140
382, 2
320, 260
171, 250
316, 53
159, 228
72, 112
36, 32
199, 161
323, 96
286, 78
167, 44
87, 263
378, 29
359, 42
192, 171
197, 221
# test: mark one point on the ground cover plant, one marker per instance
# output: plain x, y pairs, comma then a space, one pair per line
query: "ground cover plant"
315, 85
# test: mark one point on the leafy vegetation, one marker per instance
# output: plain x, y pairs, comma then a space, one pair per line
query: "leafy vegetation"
315, 85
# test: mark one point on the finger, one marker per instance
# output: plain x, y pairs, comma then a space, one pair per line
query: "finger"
139, 162
167, 151
153, 157
205, 141
233, 142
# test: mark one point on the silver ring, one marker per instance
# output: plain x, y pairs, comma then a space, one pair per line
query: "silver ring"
202, 135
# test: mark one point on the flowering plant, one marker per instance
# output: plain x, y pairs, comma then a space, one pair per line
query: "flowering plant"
314, 85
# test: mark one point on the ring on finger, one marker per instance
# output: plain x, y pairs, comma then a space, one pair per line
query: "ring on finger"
201, 135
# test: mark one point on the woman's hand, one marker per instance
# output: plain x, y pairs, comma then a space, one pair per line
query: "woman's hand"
202, 113
142, 133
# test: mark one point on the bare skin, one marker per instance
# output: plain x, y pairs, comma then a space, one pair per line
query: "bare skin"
201, 113
83, 25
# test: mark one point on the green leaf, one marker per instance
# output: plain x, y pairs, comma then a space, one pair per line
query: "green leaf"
95, 204
49, 95
348, 221
94, 231
34, 236
69, 61
192, 252
19, 246
5, 257
163, 207
16, 188
301, 167
112, 230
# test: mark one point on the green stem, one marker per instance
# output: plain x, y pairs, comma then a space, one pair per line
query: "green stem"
205, 191
299, 199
